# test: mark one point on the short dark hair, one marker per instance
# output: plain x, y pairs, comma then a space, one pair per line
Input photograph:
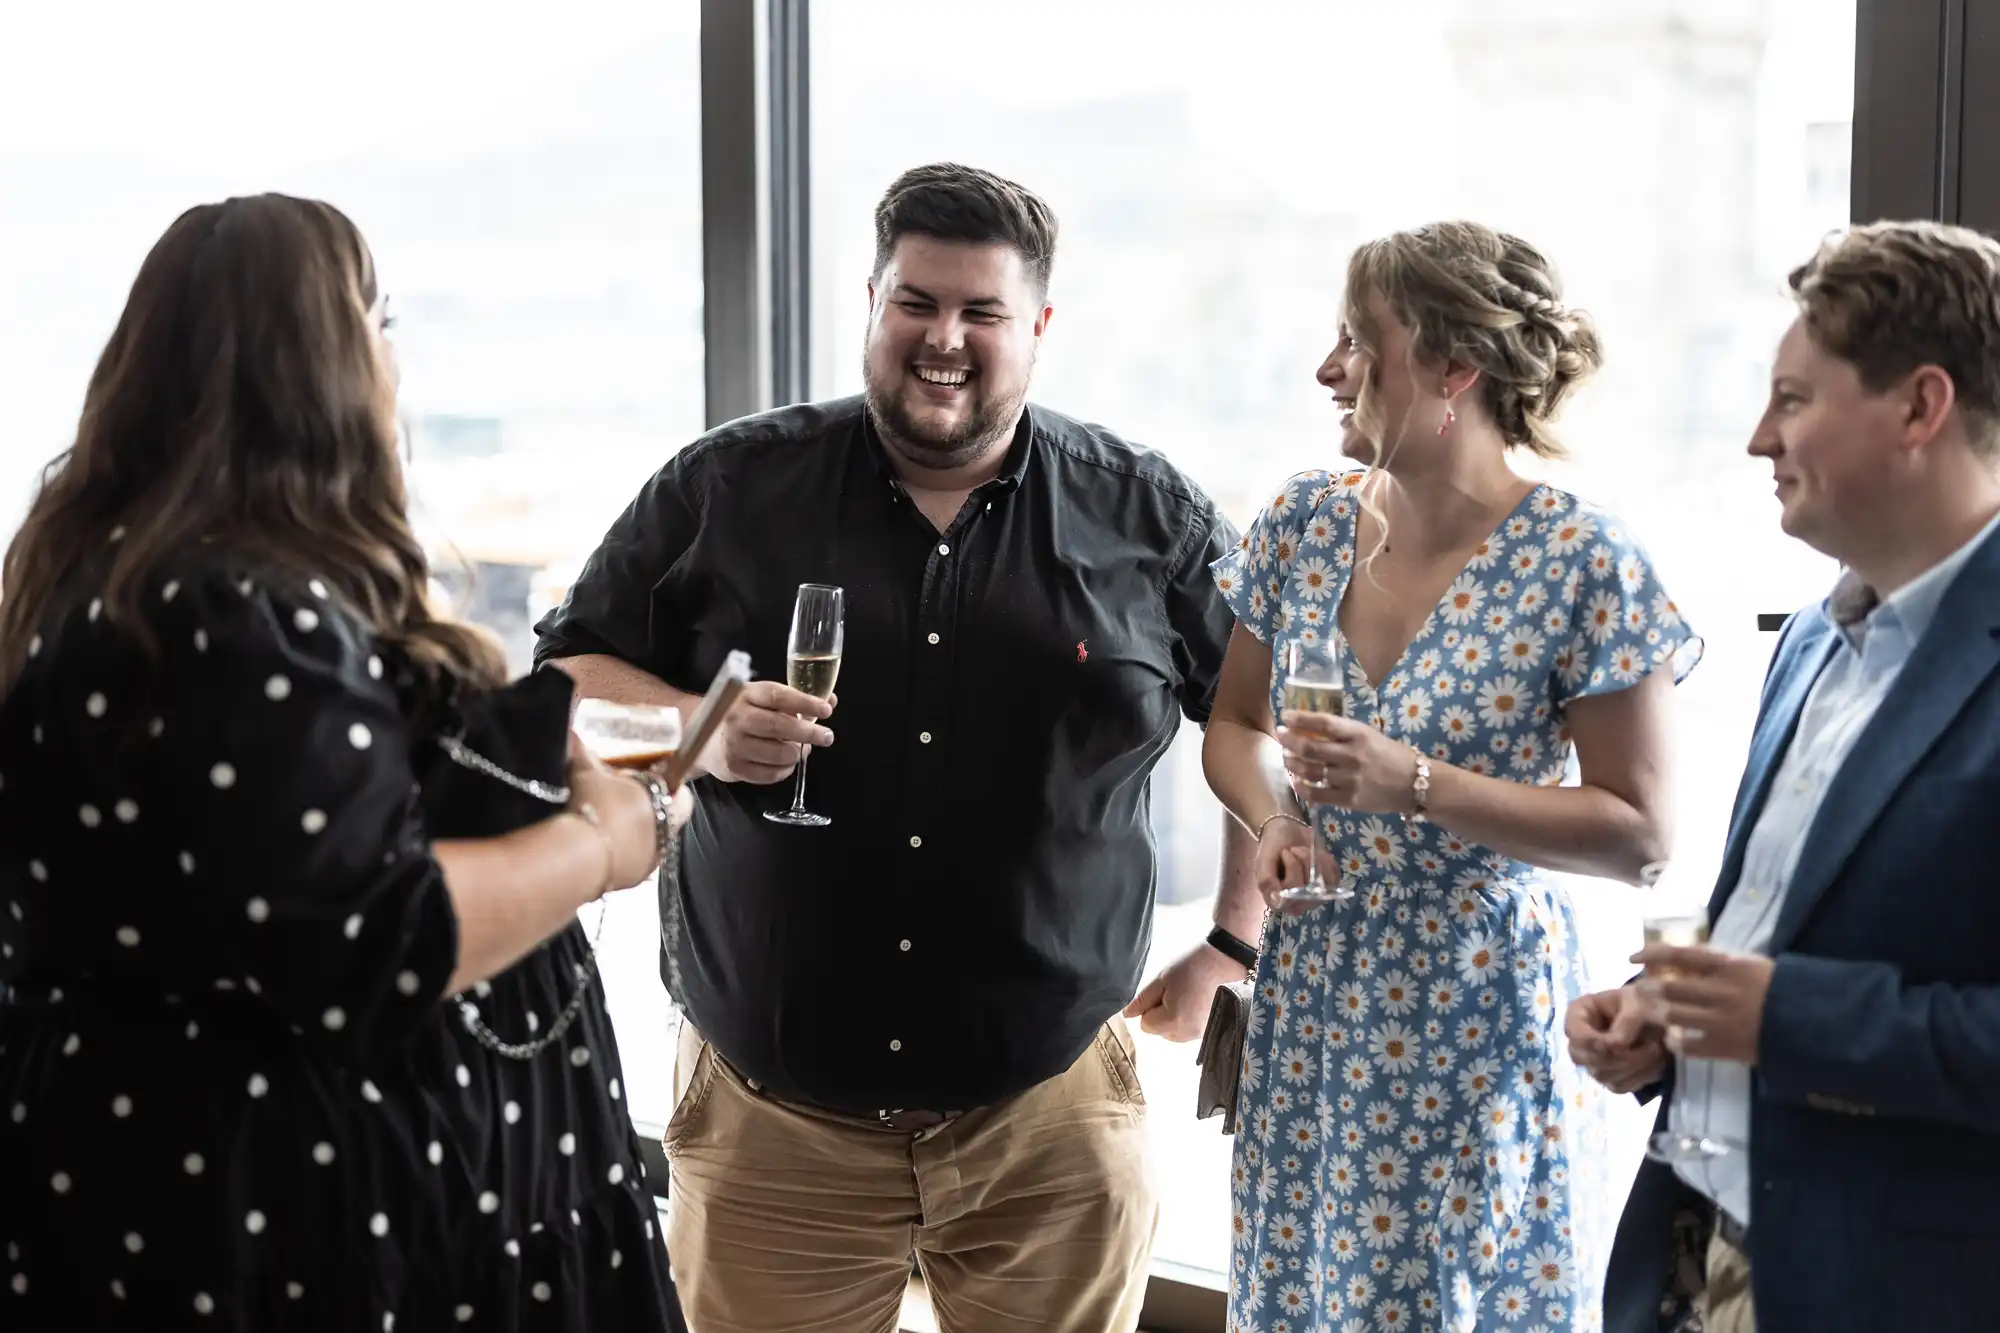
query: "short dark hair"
958, 203
1892, 296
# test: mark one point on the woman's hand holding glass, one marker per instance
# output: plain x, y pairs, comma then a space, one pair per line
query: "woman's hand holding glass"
1288, 853
1340, 762
622, 812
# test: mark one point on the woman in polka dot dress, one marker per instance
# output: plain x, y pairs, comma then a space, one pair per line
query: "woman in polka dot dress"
1413, 1136
232, 1094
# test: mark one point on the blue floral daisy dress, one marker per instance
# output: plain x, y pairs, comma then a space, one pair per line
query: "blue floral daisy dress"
1412, 1131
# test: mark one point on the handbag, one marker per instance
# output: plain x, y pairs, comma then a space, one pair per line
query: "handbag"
500, 763
1221, 1054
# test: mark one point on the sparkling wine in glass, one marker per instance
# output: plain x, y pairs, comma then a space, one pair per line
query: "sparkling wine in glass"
1676, 913
812, 664
1315, 682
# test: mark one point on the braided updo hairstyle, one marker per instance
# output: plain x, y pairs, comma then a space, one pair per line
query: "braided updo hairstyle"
1484, 299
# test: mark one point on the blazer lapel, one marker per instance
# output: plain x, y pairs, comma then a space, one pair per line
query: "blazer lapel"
1804, 658
1947, 666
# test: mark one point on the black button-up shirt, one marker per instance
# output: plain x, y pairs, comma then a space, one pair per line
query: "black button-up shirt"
982, 901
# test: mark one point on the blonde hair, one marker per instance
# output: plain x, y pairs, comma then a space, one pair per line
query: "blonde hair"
1484, 299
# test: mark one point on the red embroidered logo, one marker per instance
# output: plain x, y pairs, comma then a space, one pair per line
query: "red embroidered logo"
1082, 653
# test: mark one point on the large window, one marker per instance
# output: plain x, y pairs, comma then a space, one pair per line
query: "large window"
1212, 166
531, 187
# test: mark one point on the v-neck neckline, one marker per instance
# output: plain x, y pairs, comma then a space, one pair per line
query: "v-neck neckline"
1493, 538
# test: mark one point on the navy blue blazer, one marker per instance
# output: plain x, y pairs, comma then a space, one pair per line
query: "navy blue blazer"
1875, 1113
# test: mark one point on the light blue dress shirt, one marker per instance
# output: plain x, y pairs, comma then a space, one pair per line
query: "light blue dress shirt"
1712, 1097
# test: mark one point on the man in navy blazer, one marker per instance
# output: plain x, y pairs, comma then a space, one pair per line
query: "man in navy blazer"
1829, 1066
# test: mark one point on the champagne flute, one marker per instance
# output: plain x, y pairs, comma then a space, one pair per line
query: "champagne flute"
812, 664
1315, 682
1676, 914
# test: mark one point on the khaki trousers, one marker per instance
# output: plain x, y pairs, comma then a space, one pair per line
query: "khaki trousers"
1724, 1303
1036, 1213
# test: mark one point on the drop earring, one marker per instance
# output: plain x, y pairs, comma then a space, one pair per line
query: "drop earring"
1449, 417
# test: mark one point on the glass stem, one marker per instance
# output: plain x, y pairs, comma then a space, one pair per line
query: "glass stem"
799, 778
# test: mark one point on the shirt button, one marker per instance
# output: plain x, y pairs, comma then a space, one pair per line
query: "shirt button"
904, 946
1751, 895
924, 736
1803, 786
916, 841
895, 1045
934, 638
944, 548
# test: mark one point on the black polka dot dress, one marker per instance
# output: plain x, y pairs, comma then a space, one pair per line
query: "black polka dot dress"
233, 1094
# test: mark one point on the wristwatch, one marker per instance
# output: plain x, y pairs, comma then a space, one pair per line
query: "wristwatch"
1232, 948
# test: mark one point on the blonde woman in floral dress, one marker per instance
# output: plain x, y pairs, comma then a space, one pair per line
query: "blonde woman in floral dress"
1413, 1136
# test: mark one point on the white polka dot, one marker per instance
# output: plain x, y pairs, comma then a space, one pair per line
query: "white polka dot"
617, 1259
259, 1085
408, 982
313, 821
155, 727
253, 1222
204, 1303
566, 1145
201, 640
59, 1182
73, 1045
168, 593
318, 589
294, 1290
14, 910
489, 1202
512, 1113
250, 984
19, 1113
121, 1106
615, 1094
38, 733
128, 937
38, 872
306, 619
352, 927
127, 811
187, 863
378, 1225
20, 1284
223, 776
192, 1164
335, 1019
224, 983
95, 705
117, 534
374, 668
370, 1093
388, 1321
482, 989
534, 1021
90, 816
649, 1236
193, 1031
257, 910
96, 609
323, 1153
464, 1077
580, 1056
245, 586
616, 1174
463, 1314
277, 689
435, 1153
117, 1289
134, 1242
35, 646
360, 737
540, 1291
513, 1248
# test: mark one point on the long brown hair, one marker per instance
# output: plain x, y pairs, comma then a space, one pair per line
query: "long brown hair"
243, 400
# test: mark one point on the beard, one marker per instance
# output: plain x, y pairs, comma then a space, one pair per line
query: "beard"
990, 421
